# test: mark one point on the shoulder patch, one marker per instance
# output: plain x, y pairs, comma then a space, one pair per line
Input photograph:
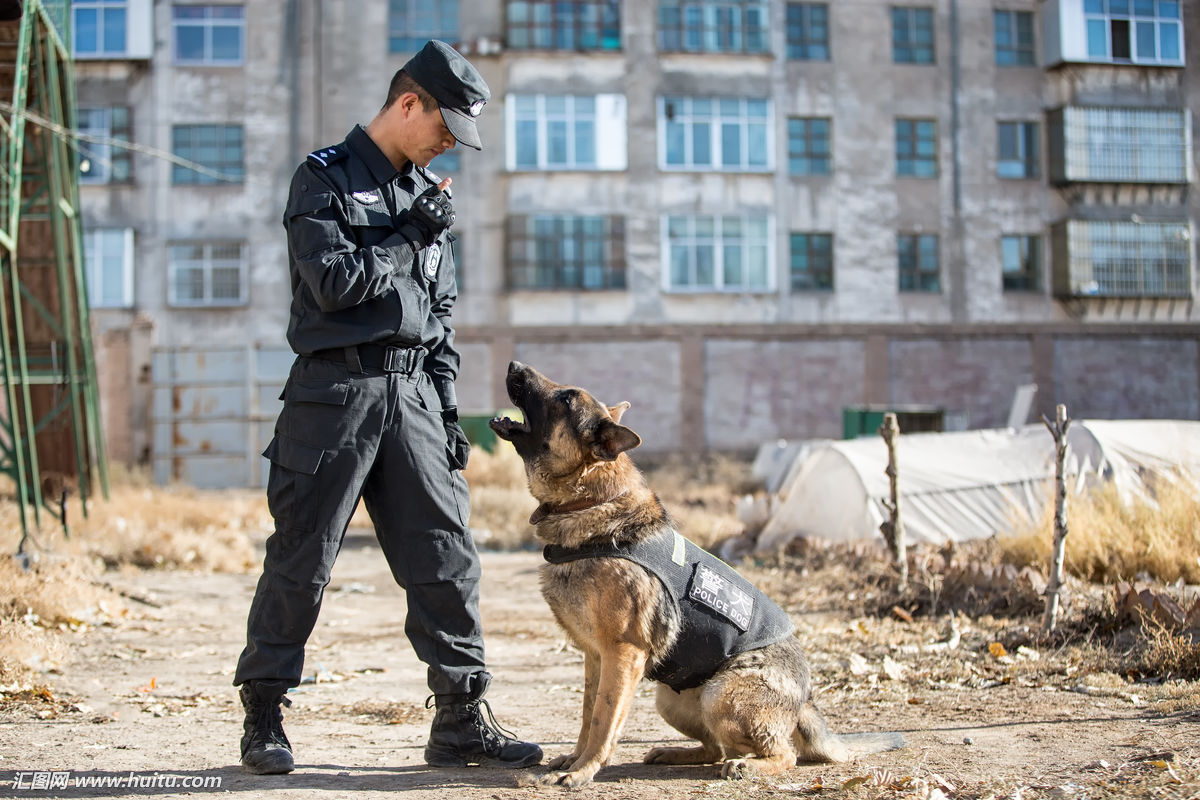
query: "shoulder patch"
325, 156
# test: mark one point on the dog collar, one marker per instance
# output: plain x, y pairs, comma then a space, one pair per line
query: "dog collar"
551, 509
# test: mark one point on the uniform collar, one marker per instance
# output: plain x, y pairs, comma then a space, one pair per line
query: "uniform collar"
380, 167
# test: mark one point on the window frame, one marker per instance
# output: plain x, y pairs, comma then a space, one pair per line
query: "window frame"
1019, 53
1029, 277
571, 118
605, 26
525, 247
908, 162
704, 34
103, 152
718, 243
917, 276
100, 7
803, 46
406, 37
206, 266
95, 271
1098, 17
908, 50
716, 122
1026, 133
1117, 144
815, 165
208, 24
820, 278
198, 178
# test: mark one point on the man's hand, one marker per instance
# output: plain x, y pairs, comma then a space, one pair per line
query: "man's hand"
430, 214
456, 439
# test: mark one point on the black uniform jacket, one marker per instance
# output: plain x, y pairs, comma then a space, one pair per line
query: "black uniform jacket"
721, 613
354, 279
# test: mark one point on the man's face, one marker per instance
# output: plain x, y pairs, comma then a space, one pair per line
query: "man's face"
426, 135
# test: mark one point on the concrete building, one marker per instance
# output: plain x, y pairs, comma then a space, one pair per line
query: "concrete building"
743, 216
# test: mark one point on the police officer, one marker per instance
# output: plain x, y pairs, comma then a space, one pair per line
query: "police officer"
369, 411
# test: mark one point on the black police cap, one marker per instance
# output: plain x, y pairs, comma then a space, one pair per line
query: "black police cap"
457, 86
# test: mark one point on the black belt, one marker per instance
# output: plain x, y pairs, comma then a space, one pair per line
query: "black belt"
375, 356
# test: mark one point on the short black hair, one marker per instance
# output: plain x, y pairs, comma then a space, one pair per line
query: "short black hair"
402, 83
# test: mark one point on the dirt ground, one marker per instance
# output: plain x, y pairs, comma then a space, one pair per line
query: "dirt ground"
152, 696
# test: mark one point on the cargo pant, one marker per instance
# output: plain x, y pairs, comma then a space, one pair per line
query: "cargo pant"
347, 431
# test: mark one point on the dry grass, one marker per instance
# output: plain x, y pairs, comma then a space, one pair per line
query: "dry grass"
1110, 541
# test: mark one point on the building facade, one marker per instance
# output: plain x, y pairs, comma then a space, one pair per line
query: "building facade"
743, 216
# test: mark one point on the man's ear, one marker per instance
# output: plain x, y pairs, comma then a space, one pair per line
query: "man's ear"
618, 410
612, 439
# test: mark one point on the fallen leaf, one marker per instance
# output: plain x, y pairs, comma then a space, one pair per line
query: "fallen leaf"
853, 782
998, 651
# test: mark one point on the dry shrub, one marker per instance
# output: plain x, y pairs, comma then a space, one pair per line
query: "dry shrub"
700, 493
39, 601
1109, 540
173, 526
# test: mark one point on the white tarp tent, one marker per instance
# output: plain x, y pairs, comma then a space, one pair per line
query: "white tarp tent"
965, 485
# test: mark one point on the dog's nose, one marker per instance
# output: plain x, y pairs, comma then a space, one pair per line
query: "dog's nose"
515, 366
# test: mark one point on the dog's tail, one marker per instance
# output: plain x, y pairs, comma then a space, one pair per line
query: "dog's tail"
815, 742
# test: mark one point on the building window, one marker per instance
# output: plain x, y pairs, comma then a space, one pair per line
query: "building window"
808, 31
918, 262
214, 152
916, 148
98, 27
1133, 145
1014, 38
554, 131
207, 274
1017, 150
1022, 263
209, 35
709, 133
812, 262
99, 160
1141, 31
718, 253
713, 26
108, 264
1124, 259
558, 25
912, 35
808, 146
551, 251
412, 23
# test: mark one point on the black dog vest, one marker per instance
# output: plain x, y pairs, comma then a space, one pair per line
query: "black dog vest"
721, 613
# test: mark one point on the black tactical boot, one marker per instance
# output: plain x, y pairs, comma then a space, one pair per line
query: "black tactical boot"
465, 732
265, 748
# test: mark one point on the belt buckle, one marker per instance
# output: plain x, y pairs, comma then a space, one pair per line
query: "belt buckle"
394, 359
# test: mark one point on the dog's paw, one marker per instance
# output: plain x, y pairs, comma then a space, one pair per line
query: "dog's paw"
660, 755
735, 769
561, 763
573, 780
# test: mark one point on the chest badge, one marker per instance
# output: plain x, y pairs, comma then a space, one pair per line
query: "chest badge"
433, 259
366, 198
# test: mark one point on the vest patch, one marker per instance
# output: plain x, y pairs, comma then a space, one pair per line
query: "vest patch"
722, 596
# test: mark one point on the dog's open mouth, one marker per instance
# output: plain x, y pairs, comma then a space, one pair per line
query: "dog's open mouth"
505, 427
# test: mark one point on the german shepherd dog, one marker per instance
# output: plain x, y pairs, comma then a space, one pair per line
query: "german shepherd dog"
751, 711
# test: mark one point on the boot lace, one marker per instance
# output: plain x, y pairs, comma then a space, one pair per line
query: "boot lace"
268, 723
494, 735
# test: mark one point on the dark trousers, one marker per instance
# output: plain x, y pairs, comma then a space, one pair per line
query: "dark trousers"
343, 434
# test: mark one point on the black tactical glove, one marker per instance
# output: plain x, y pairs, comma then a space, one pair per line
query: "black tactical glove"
430, 214
456, 441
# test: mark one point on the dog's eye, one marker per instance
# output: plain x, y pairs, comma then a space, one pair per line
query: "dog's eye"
566, 398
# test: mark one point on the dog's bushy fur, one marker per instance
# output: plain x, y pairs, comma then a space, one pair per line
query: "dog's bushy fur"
755, 714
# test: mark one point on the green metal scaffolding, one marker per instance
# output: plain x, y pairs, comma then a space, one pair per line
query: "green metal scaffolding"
50, 432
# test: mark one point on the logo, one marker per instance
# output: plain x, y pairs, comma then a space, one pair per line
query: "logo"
723, 596
367, 198
476, 108
433, 258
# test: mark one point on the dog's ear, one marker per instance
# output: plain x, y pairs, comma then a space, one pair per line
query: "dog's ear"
612, 439
618, 410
